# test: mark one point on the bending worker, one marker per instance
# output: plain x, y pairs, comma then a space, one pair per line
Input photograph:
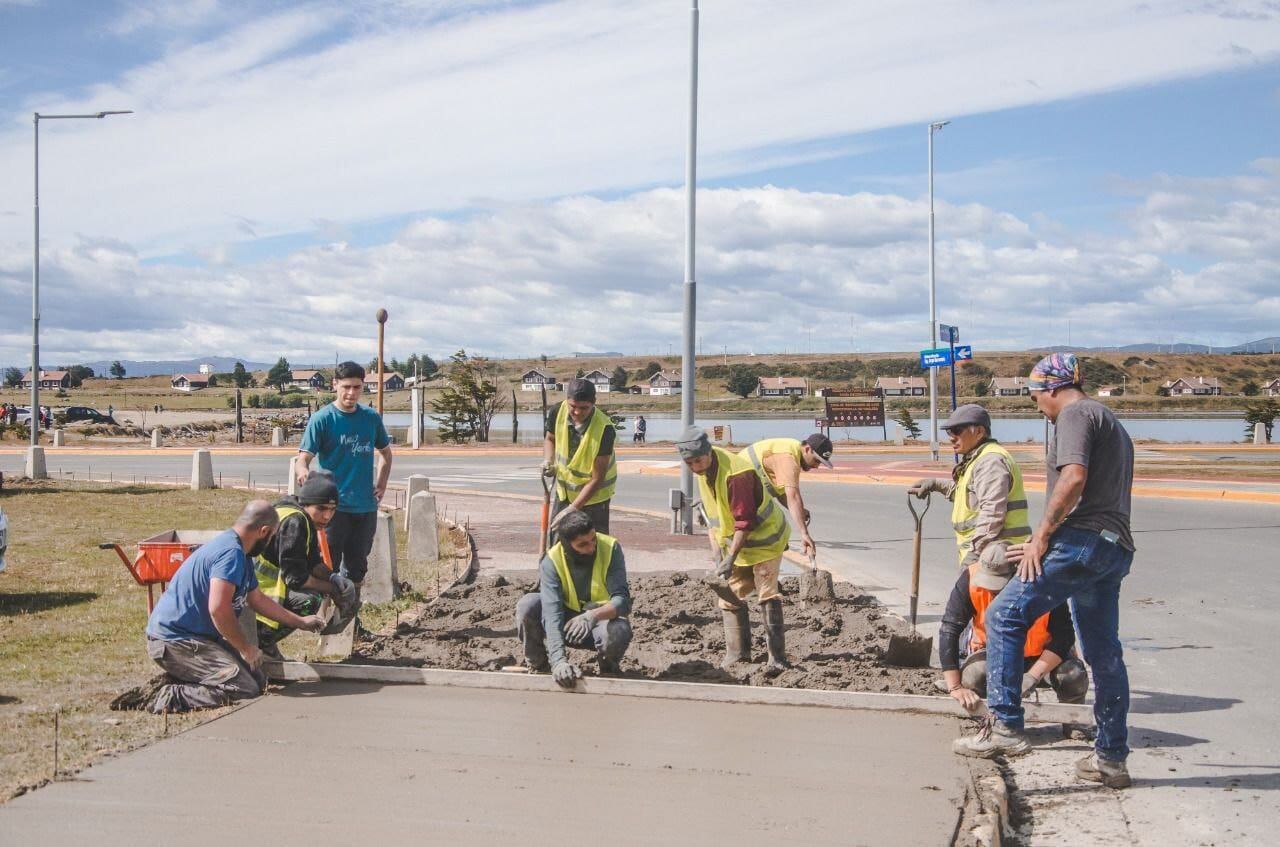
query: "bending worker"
988, 500
748, 535
292, 569
578, 453
582, 601
779, 462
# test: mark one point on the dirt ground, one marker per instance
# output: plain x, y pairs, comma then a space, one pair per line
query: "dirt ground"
678, 636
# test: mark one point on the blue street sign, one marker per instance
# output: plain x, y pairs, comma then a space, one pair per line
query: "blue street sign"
964, 353
938, 358
948, 333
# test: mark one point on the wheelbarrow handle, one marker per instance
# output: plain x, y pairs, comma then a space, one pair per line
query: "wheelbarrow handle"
919, 516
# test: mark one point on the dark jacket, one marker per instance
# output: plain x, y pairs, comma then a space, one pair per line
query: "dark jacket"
289, 549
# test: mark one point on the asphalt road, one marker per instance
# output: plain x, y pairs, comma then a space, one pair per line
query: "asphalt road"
1198, 612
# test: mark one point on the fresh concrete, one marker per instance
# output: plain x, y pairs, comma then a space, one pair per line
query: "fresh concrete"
457, 766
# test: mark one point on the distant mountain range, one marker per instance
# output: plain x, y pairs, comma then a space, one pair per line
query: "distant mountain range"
1263, 345
221, 364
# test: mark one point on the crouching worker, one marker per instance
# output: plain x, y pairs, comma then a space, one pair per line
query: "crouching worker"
1047, 652
194, 631
582, 601
292, 569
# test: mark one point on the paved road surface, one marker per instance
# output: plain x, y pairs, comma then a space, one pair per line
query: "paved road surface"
354, 763
1198, 617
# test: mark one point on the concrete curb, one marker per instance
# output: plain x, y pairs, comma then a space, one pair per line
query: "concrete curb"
984, 821
656, 689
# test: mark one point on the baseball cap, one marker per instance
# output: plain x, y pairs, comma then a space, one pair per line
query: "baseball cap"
994, 568
970, 414
822, 447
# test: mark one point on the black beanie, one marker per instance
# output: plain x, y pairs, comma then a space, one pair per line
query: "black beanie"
319, 490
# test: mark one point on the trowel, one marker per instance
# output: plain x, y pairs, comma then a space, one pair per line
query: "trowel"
912, 650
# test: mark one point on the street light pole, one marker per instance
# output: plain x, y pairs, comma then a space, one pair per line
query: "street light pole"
688, 364
933, 307
36, 117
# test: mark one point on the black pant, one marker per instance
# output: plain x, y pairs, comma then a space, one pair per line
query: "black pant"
599, 514
301, 603
350, 537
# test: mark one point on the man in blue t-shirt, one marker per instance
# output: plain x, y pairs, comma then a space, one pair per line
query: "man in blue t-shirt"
194, 631
345, 436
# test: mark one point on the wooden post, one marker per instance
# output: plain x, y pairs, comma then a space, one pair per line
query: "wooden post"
239, 419
382, 324
515, 421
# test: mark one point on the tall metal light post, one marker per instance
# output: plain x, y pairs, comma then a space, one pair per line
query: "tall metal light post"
688, 364
35, 266
933, 307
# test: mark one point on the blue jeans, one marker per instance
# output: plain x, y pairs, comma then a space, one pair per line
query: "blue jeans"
1082, 566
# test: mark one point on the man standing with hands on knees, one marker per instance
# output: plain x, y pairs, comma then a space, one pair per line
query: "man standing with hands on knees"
1081, 550
345, 436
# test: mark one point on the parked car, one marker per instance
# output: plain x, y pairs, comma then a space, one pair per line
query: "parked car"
72, 414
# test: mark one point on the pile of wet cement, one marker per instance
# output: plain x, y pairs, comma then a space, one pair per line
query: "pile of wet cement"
678, 635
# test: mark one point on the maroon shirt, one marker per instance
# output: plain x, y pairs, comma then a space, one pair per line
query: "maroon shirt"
746, 495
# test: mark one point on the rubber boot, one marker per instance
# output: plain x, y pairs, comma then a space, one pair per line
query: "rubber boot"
774, 638
737, 637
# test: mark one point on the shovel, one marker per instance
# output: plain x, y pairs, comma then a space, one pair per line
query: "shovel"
912, 650
815, 584
544, 524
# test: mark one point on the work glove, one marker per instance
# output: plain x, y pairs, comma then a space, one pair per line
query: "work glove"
578, 629
562, 514
548, 469
922, 488
1029, 683
346, 604
565, 673
725, 566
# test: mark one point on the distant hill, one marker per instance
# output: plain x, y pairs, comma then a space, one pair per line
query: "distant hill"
1262, 345
220, 364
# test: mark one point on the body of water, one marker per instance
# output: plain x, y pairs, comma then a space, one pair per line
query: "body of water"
745, 429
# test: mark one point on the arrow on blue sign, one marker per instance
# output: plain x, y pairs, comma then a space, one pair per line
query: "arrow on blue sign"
964, 353
938, 358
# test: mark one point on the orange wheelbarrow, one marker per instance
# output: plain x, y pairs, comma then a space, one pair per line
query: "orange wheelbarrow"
160, 556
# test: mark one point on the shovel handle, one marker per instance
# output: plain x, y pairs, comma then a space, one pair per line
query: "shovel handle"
915, 557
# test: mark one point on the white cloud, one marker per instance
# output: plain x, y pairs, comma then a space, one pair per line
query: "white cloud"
582, 273
162, 14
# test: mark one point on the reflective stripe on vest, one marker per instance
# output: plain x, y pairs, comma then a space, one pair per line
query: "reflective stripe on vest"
599, 591
270, 579
964, 519
573, 473
768, 539
761, 450
1037, 636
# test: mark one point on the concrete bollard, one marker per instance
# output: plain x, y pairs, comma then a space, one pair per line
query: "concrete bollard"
157, 440
277, 436
381, 582
293, 475
899, 437
424, 531
59, 438
414, 484
35, 463
1259, 433
201, 470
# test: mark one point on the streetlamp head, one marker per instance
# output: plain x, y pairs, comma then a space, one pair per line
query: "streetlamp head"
116, 112
381, 316
937, 125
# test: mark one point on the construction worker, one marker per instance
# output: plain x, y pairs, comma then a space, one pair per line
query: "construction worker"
748, 534
1047, 652
578, 451
349, 440
779, 463
1081, 550
292, 570
582, 601
194, 632
988, 500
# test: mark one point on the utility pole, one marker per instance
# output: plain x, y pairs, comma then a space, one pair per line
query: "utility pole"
688, 367
933, 307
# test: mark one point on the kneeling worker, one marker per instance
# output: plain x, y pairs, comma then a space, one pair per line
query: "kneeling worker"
1047, 652
583, 601
779, 463
194, 631
291, 569
748, 534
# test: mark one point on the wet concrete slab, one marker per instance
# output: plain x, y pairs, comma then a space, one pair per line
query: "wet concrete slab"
336, 762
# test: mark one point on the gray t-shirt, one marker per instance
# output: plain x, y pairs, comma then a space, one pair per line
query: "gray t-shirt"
1088, 434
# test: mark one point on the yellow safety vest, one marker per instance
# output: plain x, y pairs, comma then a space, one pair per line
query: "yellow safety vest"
270, 579
761, 450
964, 519
572, 473
599, 591
768, 540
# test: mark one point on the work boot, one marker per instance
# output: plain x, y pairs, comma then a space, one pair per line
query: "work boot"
609, 667
1094, 768
141, 697
774, 638
992, 739
737, 637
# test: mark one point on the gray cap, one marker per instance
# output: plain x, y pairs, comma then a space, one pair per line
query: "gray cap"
970, 414
693, 442
994, 568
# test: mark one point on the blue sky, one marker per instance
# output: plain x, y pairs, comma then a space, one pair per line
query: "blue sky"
477, 166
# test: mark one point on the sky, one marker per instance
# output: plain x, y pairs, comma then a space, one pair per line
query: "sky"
507, 176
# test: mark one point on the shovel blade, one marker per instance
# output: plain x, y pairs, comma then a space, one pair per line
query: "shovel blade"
816, 586
910, 650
